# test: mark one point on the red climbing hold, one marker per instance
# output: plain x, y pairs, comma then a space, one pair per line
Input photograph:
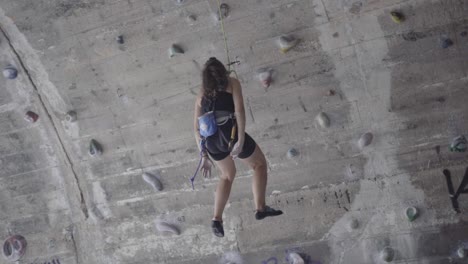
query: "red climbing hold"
265, 76
31, 116
14, 248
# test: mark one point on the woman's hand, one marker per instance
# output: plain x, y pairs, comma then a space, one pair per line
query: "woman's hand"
206, 166
237, 149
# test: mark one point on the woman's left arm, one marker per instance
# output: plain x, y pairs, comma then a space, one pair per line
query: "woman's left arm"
239, 110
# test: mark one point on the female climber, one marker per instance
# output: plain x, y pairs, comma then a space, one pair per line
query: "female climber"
223, 95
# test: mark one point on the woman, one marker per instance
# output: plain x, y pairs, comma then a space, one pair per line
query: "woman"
223, 94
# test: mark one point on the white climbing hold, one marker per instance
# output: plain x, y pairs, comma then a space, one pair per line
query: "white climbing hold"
180, 2
265, 76
287, 42
10, 72
295, 258
387, 254
275, 192
411, 213
174, 50
305, 187
231, 257
365, 140
322, 120
166, 227
461, 252
153, 181
292, 152
71, 116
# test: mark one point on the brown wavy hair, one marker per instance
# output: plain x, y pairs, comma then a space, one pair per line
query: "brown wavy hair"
214, 78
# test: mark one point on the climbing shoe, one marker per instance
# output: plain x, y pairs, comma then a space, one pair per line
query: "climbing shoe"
268, 211
217, 227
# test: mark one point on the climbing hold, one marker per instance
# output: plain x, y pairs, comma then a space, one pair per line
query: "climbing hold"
458, 144
223, 12
323, 120
265, 76
365, 140
387, 254
14, 248
353, 224
153, 181
275, 192
95, 149
31, 117
10, 72
174, 50
331, 93
287, 42
191, 18
461, 252
397, 17
464, 34
71, 116
295, 258
231, 257
166, 227
411, 213
446, 42
120, 39
292, 152
180, 2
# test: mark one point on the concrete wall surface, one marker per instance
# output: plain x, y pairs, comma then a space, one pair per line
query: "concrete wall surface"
394, 80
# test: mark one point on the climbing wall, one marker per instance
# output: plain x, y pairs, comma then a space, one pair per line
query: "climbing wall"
356, 105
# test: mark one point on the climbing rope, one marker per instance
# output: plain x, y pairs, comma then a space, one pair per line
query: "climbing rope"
226, 48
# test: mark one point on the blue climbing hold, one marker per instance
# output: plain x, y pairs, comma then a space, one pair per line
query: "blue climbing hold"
458, 144
446, 42
10, 72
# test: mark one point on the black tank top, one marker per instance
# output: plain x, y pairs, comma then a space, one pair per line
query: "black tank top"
224, 102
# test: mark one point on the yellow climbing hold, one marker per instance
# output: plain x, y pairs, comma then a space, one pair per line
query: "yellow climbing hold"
397, 17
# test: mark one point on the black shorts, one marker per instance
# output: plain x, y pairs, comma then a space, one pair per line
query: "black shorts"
217, 145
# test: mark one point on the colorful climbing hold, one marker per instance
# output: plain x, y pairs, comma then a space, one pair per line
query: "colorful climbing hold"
446, 42
71, 116
458, 144
174, 50
10, 72
265, 76
153, 181
14, 248
387, 254
292, 152
222, 12
365, 140
397, 17
95, 149
322, 120
31, 117
120, 39
287, 42
166, 227
295, 258
411, 213
461, 252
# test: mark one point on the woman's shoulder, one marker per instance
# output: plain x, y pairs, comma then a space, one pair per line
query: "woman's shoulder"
234, 84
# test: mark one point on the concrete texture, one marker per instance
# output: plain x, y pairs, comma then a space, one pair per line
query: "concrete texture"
393, 80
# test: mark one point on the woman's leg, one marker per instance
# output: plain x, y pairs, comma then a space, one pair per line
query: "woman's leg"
228, 172
258, 163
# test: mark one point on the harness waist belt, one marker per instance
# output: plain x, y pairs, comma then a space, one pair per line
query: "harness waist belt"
223, 116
